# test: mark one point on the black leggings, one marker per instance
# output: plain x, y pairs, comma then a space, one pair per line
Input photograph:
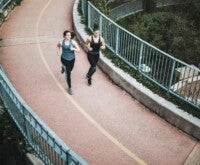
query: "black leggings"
93, 59
68, 66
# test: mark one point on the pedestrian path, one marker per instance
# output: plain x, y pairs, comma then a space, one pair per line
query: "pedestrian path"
101, 123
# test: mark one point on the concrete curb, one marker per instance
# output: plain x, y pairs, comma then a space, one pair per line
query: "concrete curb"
6, 12
164, 108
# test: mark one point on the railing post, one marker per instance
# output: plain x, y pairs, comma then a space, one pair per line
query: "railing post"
67, 157
1, 88
117, 41
171, 76
25, 123
84, 7
89, 15
1, 83
140, 56
100, 25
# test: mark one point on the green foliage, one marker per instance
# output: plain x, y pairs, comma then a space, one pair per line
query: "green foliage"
80, 8
101, 5
168, 30
2, 18
18, 2
11, 141
149, 5
116, 3
9, 133
191, 9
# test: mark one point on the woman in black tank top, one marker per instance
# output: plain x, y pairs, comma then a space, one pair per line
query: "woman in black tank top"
94, 43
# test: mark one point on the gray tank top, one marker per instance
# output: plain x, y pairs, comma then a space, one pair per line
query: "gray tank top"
67, 54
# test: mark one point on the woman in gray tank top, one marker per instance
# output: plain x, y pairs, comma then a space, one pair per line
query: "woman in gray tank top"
68, 46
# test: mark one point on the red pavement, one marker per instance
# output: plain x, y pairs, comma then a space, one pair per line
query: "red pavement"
101, 123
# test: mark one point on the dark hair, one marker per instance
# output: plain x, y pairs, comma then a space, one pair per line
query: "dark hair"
96, 27
67, 31
73, 34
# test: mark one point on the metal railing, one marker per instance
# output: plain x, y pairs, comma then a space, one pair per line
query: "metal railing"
174, 76
3, 4
46, 144
84, 7
134, 6
126, 9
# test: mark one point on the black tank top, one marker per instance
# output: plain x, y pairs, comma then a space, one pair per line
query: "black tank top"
95, 46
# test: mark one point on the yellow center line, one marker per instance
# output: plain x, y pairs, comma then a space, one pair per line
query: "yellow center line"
78, 107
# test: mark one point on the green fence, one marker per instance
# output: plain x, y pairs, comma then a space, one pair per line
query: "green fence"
174, 76
46, 144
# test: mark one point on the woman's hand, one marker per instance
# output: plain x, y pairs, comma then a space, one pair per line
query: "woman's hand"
58, 48
75, 46
103, 47
89, 48
58, 51
72, 48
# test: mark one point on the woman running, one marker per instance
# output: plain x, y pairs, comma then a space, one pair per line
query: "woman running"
94, 43
68, 46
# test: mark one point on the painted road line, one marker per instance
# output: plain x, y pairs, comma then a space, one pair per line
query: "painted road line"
78, 107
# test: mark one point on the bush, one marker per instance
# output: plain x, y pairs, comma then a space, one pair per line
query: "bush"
18, 2
12, 144
170, 32
101, 5
149, 5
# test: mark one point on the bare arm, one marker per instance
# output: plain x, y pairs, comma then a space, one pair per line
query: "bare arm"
76, 47
87, 44
103, 45
58, 48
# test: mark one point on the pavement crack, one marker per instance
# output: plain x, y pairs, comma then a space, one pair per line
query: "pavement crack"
27, 40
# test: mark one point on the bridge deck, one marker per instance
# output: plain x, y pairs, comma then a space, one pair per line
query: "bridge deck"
102, 123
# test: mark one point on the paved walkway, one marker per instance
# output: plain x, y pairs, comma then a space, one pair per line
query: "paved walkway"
101, 123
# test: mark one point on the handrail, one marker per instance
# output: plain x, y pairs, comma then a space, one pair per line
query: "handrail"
126, 9
3, 4
135, 6
46, 144
159, 67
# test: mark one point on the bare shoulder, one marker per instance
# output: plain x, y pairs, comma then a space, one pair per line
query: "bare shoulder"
73, 42
102, 39
89, 38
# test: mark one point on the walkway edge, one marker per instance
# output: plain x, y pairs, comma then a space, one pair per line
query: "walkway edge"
194, 157
162, 107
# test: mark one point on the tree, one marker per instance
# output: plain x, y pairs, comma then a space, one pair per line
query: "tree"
149, 5
191, 8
